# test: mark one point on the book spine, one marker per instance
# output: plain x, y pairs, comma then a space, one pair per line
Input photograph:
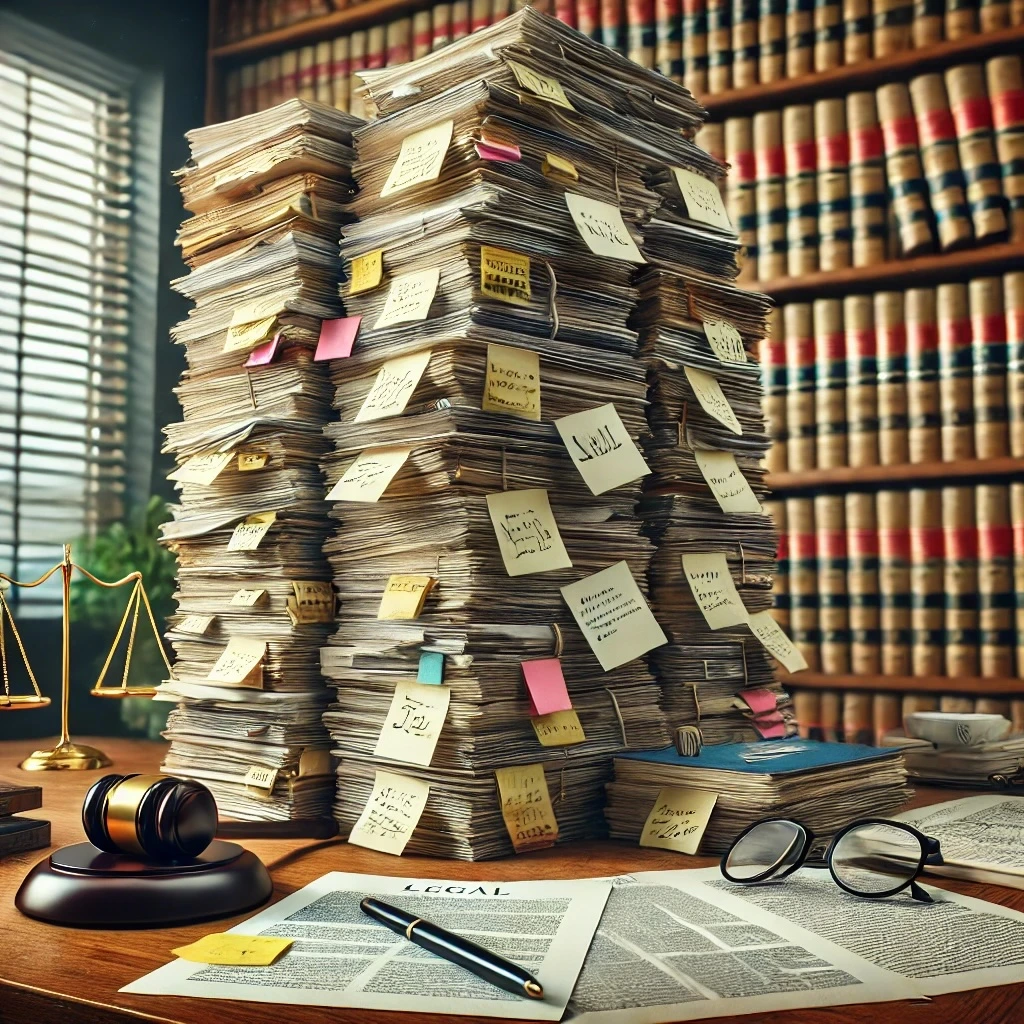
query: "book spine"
501, 9
771, 41
264, 85
834, 610
894, 581
891, 342
927, 620
828, 34
989, 358
1005, 78
831, 716
780, 587
233, 94
289, 75
803, 579
807, 708
861, 380
460, 19
857, 26
422, 33
341, 72
799, 341
612, 27
862, 551
914, 702
770, 168
956, 704
955, 375
833, 158
868, 216
799, 37
322, 73
1017, 520
441, 25
248, 96
858, 721
640, 32
398, 42
307, 73
357, 62
1013, 303
376, 46
588, 18
801, 190
711, 138
480, 13
668, 40
891, 26
994, 15
995, 581
960, 581
695, 46
961, 18
264, 21
741, 190
773, 371
830, 383
887, 713
719, 45
924, 415
746, 52
927, 25
992, 706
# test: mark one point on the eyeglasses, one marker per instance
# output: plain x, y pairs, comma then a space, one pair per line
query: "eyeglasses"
871, 858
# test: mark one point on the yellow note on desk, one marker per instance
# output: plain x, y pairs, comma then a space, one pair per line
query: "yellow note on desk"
229, 950
678, 820
526, 807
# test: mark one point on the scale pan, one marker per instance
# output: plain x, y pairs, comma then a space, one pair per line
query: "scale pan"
23, 703
122, 691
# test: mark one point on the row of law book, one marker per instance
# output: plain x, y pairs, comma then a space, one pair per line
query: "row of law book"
241, 19
921, 582
925, 375
929, 165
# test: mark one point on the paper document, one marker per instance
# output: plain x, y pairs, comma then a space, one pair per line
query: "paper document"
341, 957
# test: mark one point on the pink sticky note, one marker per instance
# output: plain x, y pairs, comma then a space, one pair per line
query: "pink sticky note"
337, 338
502, 152
770, 731
759, 701
263, 354
546, 684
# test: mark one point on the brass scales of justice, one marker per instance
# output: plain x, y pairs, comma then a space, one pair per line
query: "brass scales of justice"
67, 755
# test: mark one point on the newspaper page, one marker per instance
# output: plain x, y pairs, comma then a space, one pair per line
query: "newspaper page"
343, 958
670, 949
953, 944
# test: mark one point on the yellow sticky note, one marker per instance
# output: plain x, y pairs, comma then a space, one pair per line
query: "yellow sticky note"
712, 398
367, 478
702, 198
409, 298
249, 462
420, 158
543, 86
614, 616
713, 589
194, 624
201, 469
512, 382
365, 272
404, 596
526, 807
527, 533
505, 275
249, 532
313, 602
601, 226
261, 778
391, 814
554, 164
230, 950
729, 486
775, 641
395, 383
239, 662
725, 341
558, 729
246, 598
252, 323
678, 820
600, 448
414, 722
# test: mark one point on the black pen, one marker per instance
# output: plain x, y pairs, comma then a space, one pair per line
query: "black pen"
482, 962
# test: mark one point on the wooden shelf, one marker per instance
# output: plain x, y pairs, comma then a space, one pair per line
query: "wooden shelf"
919, 473
904, 684
896, 274
864, 75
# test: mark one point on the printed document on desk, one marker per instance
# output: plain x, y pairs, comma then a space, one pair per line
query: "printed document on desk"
341, 957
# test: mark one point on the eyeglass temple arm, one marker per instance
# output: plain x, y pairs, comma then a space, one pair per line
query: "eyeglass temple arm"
932, 852
920, 894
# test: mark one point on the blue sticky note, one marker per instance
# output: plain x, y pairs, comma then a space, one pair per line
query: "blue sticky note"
431, 668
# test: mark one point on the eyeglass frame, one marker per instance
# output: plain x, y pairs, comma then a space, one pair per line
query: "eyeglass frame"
931, 854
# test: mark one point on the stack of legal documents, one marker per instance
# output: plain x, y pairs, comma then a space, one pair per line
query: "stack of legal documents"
268, 193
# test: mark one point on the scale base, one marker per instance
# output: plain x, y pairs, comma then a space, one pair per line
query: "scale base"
86, 888
72, 757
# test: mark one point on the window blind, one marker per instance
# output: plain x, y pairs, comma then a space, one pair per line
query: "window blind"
65, 307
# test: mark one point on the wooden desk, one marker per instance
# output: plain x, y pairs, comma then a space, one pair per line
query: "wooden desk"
71, 976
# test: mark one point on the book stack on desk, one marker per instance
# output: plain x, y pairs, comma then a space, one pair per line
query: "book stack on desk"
268, 194
16, 833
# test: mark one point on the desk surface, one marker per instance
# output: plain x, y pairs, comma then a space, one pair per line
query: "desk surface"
72, 975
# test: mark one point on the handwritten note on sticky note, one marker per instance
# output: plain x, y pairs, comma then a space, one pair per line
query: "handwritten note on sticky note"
725, 341
230, 950
553, 165
702, 198
546, 685
404, 596
727, 483
337, 338
250, 532
527, 533
202, 469
505, 275
512, 382
420, 159
245, 334
409, 298
247, 598
393, 387
601, 226
250, 462
431, 668
613, 615
238, 663
559, 729
526, 807
542, 86
367, 478
678, 820
263, 355
311, 601
365, 272
775, 641
713, 589
601, 449
712, 399
414, 722
261, 778
391, 814
194, 624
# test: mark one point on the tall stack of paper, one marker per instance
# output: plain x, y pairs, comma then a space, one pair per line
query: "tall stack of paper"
268, 193
489, 557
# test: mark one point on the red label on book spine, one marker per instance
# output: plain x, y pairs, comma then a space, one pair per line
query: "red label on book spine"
892, 340
961, 543
955, 333
744, 166
774, 353
782, 547
829, 347
1015, 325
973, 115
988, 327
894, 544
833, 152
862, 542
801, 351
832, 543
801, 157
860, 342
995, 542
922, 337
802, 546
771, 163
1008, 109
936, 126
899, 134
866, 144
926, 543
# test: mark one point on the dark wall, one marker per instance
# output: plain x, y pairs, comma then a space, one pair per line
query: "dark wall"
166, 41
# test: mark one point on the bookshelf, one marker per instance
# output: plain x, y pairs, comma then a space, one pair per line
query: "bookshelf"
974, 686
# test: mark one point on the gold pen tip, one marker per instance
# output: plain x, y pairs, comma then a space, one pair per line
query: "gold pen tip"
534, 990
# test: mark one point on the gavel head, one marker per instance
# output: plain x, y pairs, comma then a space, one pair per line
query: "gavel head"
152, 817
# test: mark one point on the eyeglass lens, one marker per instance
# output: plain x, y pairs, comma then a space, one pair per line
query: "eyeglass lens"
767, 849
873, 858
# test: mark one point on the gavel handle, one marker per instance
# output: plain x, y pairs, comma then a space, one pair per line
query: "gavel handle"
298, 828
